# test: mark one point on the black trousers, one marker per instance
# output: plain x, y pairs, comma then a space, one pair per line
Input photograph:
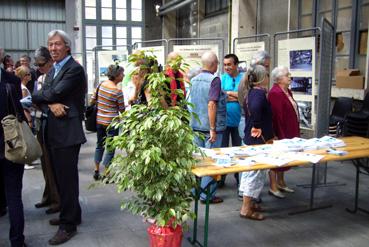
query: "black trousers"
233, 132
12, 175
65, 162
2, 191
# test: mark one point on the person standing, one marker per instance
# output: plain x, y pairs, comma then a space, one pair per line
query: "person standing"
25, 60
11, 174
50, 196
230, 81
209, 102
285, 123
64, 95
109, 102
172, 71
258, 130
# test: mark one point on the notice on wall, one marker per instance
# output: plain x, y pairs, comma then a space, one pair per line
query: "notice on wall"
299, 56
192, 53
106, 58
245, 51
157, 51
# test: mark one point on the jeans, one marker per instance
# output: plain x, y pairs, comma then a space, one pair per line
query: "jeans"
241, 128
207, 179
13, 176
102, 133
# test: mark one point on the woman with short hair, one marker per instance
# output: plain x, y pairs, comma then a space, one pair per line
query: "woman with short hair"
285, 123
258, 130
109, 102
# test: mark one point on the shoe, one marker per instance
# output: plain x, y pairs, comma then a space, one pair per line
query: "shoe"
41, 204
257, 200
252, 215
214, 200
52, 210
61, 236
277, 194
56, 222
28, 167
286, 189
2, 212
96, 175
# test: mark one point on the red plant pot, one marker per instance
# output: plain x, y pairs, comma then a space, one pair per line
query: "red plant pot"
165, 236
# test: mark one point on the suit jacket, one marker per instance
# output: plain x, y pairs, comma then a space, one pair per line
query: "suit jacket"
285, 121
8, 78
68, 88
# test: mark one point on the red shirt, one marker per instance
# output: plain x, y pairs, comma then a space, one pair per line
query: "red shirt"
175, 78
285, 121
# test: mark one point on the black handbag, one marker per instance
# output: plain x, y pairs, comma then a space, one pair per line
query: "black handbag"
91, 113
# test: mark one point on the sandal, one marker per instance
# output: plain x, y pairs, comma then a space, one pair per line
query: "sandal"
252, 215
257, 208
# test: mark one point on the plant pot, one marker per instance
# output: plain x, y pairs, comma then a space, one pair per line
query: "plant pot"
165, 236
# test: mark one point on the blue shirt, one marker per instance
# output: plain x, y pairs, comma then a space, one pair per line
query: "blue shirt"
233, 107
59, 66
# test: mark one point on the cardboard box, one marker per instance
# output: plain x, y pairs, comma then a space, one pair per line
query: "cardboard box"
349, 78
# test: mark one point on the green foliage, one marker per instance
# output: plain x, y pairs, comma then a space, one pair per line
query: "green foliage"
157, 163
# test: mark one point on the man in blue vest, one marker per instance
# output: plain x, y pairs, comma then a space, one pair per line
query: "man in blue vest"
210, 106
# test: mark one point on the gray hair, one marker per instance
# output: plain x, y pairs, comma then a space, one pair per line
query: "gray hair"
278, 72
63, 35
259, 58
208, 58
113, 71
255, 76
42, 54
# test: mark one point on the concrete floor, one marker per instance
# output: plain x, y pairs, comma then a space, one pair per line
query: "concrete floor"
104, 224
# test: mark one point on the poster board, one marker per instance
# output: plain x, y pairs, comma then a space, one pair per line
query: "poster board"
158, 51
192, 53
106, 58
245, 51
299, 56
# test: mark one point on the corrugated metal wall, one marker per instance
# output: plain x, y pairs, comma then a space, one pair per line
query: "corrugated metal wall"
24, 24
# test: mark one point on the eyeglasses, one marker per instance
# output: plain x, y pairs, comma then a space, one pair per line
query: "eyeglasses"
40, 64
28, 74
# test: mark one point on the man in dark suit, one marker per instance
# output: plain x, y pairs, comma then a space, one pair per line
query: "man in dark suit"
63, 96
11, 175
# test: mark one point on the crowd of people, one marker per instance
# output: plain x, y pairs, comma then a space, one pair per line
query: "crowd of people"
235, 108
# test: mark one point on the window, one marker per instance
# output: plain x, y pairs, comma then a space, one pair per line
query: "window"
136, 34
136, 11
107, 35
90, 9
121, 34
121, 10
106, 10
90, 37
213, 7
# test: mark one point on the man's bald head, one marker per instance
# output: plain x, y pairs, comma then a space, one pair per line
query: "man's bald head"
172, 56
209, 61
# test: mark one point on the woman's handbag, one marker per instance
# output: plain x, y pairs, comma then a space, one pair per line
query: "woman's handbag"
91, 113
21, 146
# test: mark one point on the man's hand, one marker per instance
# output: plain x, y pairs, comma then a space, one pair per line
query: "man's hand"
213, 136
255, 132
59, 110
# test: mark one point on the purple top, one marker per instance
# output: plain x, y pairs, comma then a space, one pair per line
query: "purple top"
215, 88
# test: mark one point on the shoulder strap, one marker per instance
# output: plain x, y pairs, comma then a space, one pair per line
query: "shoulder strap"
10, 96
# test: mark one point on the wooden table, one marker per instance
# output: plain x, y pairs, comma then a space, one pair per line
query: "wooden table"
357, 148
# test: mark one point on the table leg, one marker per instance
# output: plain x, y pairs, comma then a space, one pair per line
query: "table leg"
207, 191
356, 208
312, 191
196, 211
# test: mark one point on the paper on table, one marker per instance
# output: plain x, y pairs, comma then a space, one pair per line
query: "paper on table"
313, 158
277, 159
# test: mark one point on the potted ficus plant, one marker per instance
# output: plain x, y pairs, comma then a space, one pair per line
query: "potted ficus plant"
157, 158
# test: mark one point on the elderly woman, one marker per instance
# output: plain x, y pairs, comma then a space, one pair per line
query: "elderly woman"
110, 103
50, 196
285, 123
258, 130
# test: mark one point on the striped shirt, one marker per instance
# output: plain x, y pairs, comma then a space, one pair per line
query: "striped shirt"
110, 102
